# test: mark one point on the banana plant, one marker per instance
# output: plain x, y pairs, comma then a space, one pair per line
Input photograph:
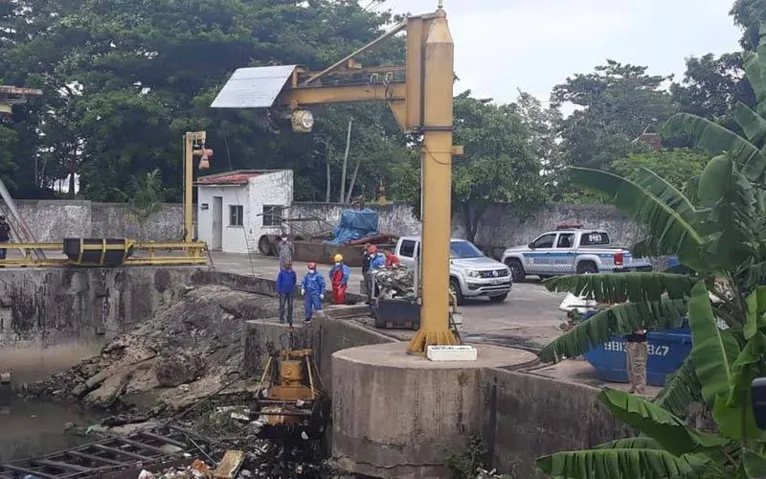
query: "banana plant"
725, 362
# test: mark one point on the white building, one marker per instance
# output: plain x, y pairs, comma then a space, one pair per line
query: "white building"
235, 209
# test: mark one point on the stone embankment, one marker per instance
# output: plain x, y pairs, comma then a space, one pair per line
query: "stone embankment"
174, 359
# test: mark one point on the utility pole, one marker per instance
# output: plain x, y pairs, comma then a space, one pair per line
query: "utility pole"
345, 163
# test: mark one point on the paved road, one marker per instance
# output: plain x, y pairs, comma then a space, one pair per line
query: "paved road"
529, 317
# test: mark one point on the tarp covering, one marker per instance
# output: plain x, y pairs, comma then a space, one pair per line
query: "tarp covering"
354, 225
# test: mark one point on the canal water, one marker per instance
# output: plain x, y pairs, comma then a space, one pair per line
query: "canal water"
32, 428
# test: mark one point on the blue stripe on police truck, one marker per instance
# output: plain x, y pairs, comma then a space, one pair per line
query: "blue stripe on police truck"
564, 255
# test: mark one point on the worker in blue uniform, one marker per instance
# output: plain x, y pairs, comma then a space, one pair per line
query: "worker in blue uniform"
312, 288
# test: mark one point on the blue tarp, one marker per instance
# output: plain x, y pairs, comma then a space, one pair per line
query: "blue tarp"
354, 225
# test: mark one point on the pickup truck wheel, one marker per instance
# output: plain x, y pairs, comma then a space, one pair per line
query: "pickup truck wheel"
587, 267
498, 299
517, 270
454, 287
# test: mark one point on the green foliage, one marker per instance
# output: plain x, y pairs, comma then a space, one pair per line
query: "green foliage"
145, 196
712, 85
619, 102
124, 80
498, 166
720, 236
465, 464
674, 166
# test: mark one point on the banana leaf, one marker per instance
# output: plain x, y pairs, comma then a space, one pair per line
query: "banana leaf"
670, 232
667, 430
715, 140
713, 350
622, 464
682, 388
668, 193
752, 124
619, 288
755, 464
641, 442
618, 320
756, 307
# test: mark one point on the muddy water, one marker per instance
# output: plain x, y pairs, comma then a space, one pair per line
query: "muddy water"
29, 428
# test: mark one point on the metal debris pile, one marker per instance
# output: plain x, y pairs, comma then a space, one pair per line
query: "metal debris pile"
395, 282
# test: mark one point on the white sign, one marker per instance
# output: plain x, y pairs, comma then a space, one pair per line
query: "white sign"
452, 353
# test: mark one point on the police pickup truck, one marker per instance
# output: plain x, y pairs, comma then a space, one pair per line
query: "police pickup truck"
570, 250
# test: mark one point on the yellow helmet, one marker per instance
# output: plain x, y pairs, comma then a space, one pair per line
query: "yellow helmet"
338, 258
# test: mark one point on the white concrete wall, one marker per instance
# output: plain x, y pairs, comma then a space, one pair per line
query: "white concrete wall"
232, 237
274, 188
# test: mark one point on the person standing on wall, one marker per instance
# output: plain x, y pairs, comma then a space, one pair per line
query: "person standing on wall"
286, 281
636, 352
5, 235
285, 250
366, 268
339, 275
312, 288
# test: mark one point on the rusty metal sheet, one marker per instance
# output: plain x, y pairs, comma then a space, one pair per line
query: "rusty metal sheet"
229, 465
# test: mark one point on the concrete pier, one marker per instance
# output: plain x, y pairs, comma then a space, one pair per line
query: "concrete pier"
398, 415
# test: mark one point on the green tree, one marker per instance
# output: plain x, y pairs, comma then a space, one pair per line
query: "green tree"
677, 167
146, 72
145, 196
617, 103
712, 85
748, 15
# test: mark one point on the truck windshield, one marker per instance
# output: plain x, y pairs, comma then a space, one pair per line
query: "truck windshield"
463, 249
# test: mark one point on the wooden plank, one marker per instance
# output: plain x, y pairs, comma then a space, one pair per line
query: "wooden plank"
24, 470
165, 439
120, 452
61, 465
141, 445
93, 458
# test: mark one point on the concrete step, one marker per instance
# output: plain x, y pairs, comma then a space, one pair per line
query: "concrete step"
343, 311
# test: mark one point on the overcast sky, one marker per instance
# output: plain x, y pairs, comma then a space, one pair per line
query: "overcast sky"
502, 45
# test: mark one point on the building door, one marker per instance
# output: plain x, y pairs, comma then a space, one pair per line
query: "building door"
217, 222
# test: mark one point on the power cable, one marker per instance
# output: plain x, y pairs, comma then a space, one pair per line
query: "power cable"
236, 193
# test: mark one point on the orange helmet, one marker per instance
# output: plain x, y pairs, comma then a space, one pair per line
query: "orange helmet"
312, 265
373, 249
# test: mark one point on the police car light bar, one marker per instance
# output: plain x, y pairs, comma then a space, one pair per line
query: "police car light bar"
569, 226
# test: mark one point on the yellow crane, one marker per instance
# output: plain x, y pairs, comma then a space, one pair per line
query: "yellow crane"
420, 96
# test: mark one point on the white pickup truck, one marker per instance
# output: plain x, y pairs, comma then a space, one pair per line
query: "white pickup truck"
570, 250
471, 273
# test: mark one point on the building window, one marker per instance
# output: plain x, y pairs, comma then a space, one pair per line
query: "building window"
236, 212
272, 215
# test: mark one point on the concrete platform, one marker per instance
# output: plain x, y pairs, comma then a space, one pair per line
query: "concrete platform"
398, 415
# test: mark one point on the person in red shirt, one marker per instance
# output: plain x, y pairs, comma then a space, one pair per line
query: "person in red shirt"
391, 259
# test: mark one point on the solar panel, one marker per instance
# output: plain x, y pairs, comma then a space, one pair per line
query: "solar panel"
255, 87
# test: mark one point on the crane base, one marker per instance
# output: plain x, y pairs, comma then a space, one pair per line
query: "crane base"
431, 337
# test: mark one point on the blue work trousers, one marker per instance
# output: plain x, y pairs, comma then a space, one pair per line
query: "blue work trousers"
312, 302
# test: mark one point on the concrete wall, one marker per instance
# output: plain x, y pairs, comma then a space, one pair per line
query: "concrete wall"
114, 220
54, 220
51, 318
527, 416
502, 225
